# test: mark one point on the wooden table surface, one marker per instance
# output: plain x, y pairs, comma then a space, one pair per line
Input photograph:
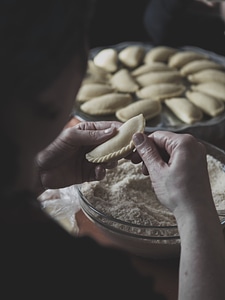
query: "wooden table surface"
164, 271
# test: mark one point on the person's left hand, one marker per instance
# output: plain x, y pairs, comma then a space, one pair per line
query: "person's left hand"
63, 162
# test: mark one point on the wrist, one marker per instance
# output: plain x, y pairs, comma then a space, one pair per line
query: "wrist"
196, 216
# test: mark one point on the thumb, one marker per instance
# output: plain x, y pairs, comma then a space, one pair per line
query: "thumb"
148, 152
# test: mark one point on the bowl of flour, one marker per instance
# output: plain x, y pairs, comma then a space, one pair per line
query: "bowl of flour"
124, 206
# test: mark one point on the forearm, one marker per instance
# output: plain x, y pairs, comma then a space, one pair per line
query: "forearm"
202, 263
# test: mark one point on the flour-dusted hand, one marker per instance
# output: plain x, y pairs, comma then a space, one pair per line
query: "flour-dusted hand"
63, 162
177, 166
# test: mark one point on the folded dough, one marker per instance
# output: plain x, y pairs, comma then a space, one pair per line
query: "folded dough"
208, 104
159, 53
207, 75
107, 59
185, 110
120, 145
106, 104
94, 74
159, 77
148, 107
91, 90
151, 67
161, 91
92, 68
199, 65
132, 56
122, 81
213, 88
181, 58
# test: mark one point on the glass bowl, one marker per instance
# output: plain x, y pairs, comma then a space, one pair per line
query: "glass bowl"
156, 242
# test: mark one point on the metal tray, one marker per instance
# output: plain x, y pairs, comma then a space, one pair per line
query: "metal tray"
207, 129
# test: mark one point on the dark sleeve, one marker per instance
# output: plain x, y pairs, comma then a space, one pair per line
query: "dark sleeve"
42, 261
159, 15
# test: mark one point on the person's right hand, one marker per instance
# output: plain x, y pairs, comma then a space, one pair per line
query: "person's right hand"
177, 167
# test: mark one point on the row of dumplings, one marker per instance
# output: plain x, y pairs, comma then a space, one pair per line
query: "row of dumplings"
133, 81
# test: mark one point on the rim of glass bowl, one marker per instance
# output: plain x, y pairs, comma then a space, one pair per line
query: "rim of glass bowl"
157, 232
94, 214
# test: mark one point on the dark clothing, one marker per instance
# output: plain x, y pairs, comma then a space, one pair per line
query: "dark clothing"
39, 260
118, 21
174, 23
180, 23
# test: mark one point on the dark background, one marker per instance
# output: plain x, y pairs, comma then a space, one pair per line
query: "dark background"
120, 21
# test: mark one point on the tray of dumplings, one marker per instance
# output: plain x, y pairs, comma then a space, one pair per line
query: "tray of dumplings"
176, 89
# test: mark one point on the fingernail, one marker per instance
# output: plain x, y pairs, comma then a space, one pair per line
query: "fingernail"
99, 173
138, 138
109, 130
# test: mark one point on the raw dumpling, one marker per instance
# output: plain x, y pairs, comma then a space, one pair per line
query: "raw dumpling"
149, 108
207, 75
158, 77
132, 56
120, 145
92, 68
107, 59
199, 65
159, 53
185, 110
151, 67
208, 104
91, 90
161, 91
181, 58
94, 74
214, 89
122, 81
106, 104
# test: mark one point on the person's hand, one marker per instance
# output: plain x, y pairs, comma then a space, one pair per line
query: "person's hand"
63, 162
177, 166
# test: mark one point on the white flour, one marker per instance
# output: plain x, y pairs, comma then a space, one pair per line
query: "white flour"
126, 194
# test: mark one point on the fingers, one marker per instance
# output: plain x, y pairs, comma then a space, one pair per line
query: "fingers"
110, 165
100, 125
175, 143
90, 133
148, 151
98, 173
